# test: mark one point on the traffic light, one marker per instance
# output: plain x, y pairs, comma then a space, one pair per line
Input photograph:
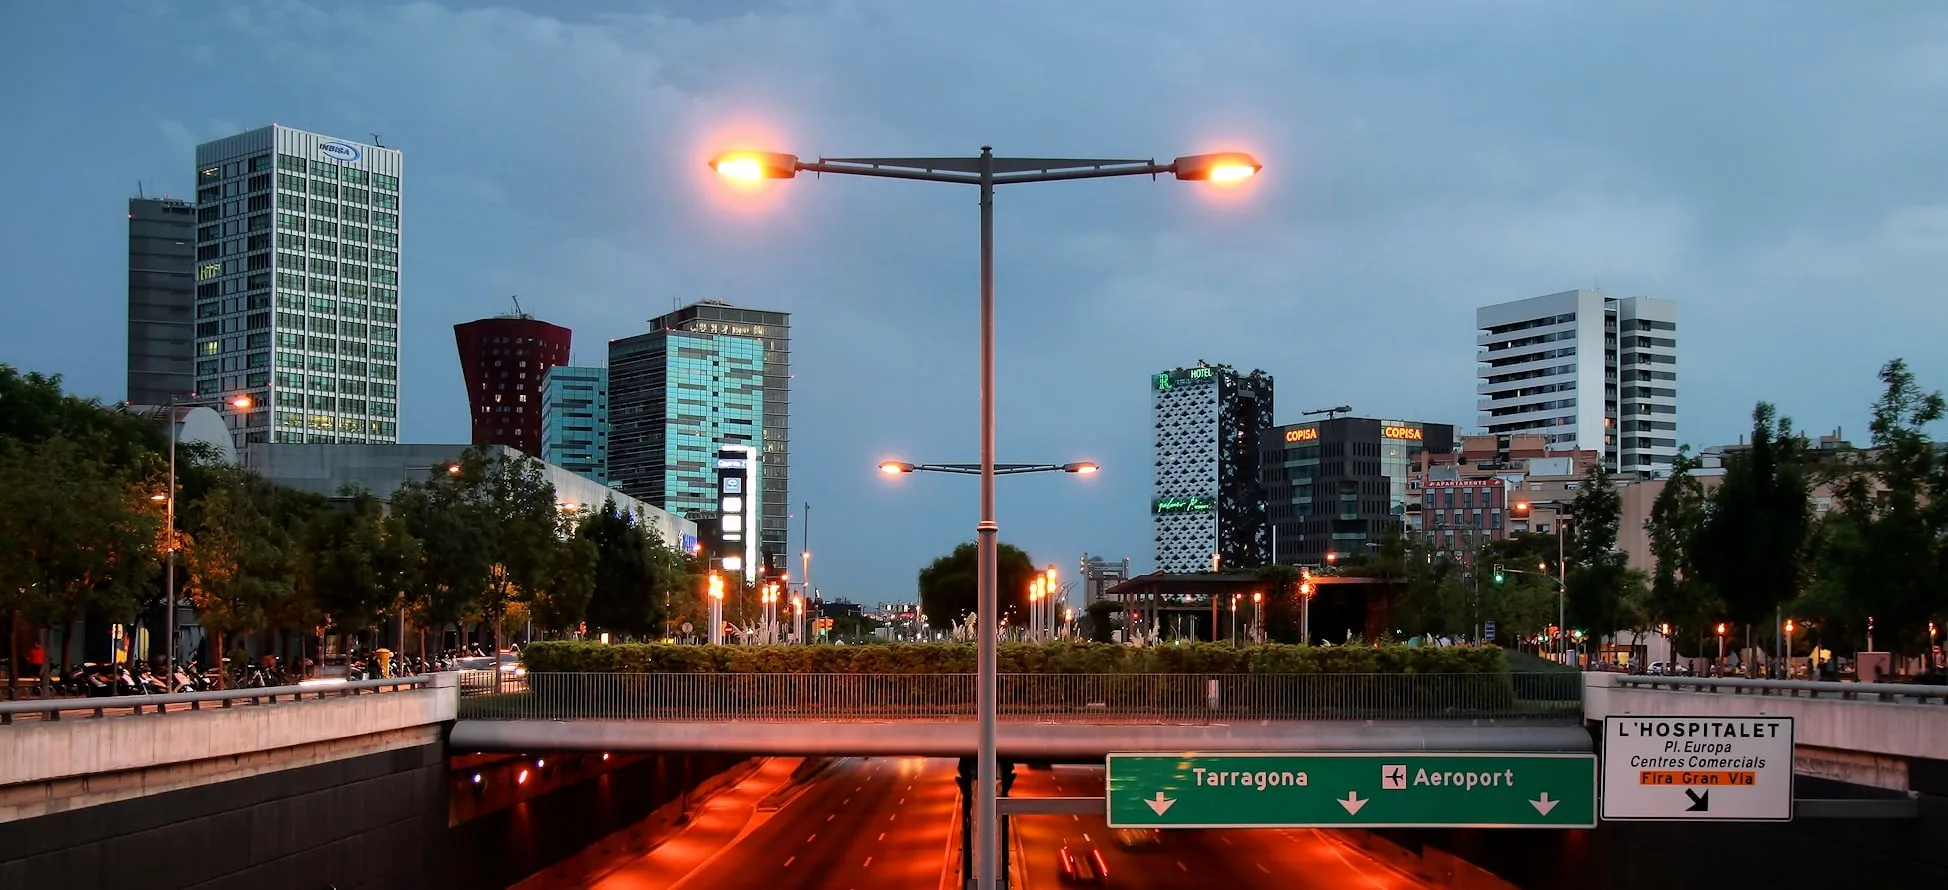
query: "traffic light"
1498, 573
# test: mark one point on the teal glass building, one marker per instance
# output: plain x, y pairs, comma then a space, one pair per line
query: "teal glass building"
704, 376
575, 421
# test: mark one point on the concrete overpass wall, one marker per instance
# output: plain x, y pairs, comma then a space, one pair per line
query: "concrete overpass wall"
348, 792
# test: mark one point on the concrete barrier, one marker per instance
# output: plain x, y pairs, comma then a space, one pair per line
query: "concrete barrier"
43, 751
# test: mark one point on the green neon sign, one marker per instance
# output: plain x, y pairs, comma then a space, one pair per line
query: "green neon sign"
1168, 379
1181, 505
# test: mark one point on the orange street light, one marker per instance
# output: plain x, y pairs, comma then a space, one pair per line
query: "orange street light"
159, 496
1082, 468
895, 467
1229, 166
751, 166
1521, 507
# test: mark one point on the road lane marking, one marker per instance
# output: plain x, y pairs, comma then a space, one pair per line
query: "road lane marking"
892, 817
882, 835
869, 863
1226, 840
902, 800
788, 862
809, 839
846, 801
1261, 867
1181, 866
832, 817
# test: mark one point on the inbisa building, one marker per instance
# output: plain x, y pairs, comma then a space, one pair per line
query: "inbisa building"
297, 285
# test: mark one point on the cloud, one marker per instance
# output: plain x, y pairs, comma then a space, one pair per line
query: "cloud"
1774, 168
178, 135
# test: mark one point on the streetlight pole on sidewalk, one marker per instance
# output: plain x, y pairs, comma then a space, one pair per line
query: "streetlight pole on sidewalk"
241, 403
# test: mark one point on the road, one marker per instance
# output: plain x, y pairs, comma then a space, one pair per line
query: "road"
865, 823
1235, 858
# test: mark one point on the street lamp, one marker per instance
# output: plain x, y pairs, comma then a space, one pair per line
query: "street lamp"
1562, 566
986, 172
716, 609
901, 468
168, 500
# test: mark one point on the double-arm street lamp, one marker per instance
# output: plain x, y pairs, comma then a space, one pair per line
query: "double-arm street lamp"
901, 468
985, 172
168, 499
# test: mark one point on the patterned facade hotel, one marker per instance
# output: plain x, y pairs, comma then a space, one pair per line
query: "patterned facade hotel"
1207, 511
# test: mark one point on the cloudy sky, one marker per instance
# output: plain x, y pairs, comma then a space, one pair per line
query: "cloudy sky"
1776, 167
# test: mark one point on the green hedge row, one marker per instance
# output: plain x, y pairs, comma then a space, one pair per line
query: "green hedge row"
1014, 658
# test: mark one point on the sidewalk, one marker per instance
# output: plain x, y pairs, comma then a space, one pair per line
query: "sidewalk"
714, 825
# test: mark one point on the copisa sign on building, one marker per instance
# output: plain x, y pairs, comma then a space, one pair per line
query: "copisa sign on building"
1681, 769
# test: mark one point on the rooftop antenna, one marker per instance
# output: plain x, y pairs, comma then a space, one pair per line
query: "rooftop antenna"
1329, 412
138, 189
517, 306
375, 141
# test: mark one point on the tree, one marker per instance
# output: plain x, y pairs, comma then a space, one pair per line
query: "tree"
1102, 620
240, 560
559, 599
1751, 544
516, 505
454, 560
1596, 574
626, 597
1675, 595
948, 591
1884, 548
357, 563
78, 536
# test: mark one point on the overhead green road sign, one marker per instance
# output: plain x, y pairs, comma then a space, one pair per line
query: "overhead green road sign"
1415, 790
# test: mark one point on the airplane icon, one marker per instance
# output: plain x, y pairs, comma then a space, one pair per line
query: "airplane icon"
1393, 777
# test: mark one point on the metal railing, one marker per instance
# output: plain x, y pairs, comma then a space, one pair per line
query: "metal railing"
1890, 693
103, 706
1054, 698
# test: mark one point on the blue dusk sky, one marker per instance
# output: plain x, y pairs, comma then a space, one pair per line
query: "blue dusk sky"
1775, 167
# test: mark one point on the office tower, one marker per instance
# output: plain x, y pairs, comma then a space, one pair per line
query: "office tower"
707, 375
1205, 499
503, 360
1587, 371
1340, 485
162, 300
297, 285
575, 420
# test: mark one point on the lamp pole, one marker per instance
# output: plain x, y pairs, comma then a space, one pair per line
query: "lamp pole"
241, 403
985, 172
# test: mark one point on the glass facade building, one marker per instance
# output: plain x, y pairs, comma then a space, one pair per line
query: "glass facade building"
705, 376
575, 421
1341, 485
297, 285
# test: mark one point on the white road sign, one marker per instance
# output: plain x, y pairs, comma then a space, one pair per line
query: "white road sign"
1685, 769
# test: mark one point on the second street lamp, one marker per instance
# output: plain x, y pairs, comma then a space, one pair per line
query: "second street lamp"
986, 172
168, 499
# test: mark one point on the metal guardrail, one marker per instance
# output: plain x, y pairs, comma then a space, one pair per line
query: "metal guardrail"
1891, 693
1054, 698
56, 708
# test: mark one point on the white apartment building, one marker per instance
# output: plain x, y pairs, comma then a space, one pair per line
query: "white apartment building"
1585, 370
297, 285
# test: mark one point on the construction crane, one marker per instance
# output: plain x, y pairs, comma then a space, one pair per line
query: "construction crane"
1330, 412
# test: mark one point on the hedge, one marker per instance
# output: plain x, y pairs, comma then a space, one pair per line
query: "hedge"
1014, 658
